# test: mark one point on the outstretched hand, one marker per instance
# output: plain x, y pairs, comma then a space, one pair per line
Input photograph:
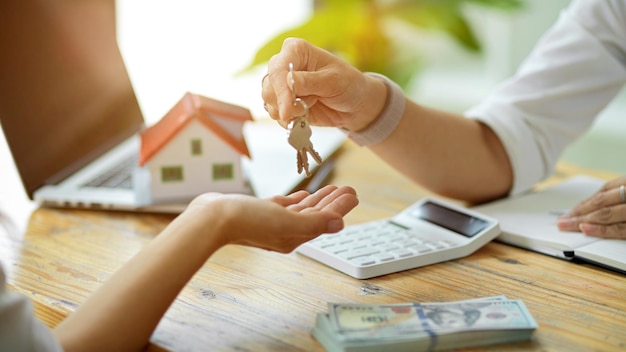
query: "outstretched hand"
281, 223
601, 215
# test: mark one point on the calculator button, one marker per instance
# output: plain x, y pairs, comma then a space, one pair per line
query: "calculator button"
447, 243
390, 246
324, 244
394, 238
418, 240
402, 253
358, 253
420, 248
383, 257
340, 249
361, 261
408, 243
433, 246
377, 243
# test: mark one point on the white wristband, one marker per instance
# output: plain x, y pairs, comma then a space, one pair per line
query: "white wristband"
387, 121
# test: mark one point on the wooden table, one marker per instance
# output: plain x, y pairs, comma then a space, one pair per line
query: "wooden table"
247, 299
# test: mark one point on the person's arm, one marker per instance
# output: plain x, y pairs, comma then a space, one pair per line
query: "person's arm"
122, 314
446, 153
520, 130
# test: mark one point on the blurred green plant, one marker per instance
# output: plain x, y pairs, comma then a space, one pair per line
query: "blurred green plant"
358, 31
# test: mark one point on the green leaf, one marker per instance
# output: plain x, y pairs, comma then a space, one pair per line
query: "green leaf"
353, 30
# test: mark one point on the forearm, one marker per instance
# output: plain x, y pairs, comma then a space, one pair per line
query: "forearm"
122, 314
448, 154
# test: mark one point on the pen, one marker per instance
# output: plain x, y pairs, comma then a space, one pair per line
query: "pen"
559, 212
321, 175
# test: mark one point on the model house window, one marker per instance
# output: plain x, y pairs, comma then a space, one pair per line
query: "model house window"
171, 173
223, 172
196, 147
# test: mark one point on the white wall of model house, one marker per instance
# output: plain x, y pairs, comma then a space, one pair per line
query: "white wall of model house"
195, 161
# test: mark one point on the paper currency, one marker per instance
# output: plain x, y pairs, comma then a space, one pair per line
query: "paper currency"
423, 326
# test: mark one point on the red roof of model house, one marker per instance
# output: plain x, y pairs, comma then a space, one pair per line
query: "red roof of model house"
205, 110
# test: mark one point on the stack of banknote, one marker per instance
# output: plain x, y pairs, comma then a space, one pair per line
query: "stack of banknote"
423, 326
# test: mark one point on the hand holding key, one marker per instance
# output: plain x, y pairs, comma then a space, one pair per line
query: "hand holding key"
300, 134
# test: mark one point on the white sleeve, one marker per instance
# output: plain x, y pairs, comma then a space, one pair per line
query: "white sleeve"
575, 70
19, 328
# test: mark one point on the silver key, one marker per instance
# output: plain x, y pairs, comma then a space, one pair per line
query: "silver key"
300, 140
300, 133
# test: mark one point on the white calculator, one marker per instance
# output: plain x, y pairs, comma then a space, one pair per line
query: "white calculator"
428, 232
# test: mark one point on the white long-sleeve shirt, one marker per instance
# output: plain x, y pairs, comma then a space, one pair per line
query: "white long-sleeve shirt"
19, 328
572, 74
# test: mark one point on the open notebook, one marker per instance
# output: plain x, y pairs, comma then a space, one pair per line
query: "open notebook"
529, 221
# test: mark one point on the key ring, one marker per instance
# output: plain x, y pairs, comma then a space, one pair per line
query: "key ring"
293, 84
305, 107
297, 100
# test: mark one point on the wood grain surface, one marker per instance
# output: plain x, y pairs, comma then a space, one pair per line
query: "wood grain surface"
246, 299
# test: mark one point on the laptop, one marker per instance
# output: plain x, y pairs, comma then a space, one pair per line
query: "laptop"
71, 119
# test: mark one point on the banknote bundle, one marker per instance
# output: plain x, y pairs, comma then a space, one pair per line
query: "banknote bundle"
423, 326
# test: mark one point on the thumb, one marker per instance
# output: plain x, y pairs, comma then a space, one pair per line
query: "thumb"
316, 223
312, 84
309, 86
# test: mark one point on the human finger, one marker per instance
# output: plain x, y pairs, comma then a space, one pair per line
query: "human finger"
269, 98
333, 201
290, 199
270, 103
329, 219
617, 230
614, 183
605, 197
283, 230
319, 213
279, 92
302, 70
607, 215
604, 216
342, 204
313, 199
599, 204
265, 224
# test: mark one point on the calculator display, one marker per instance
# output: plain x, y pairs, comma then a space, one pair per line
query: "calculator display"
461, 223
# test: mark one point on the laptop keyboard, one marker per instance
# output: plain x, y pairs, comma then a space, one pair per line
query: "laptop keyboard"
119, 176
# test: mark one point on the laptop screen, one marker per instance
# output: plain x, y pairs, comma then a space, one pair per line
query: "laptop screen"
65, 94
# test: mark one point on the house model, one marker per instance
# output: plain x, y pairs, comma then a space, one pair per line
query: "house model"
196, 147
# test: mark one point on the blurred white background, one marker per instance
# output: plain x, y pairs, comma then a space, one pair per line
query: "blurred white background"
172, 47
